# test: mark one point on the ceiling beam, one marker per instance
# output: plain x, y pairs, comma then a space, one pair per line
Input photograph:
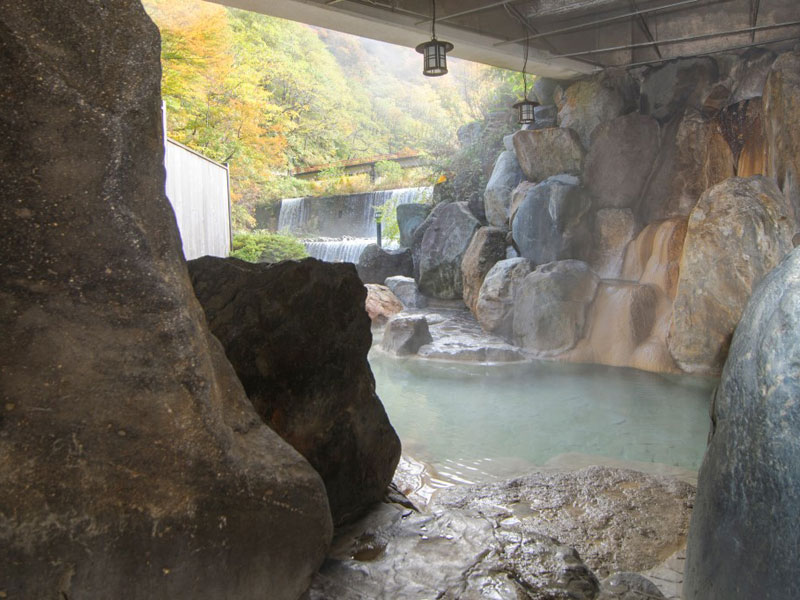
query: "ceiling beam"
690, 38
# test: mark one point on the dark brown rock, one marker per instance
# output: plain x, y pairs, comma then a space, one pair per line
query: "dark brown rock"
376, 264
487, 247
133, 465
298, 336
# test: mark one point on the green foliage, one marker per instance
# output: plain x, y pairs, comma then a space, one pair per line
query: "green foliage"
389, 172
263, 246
390, 230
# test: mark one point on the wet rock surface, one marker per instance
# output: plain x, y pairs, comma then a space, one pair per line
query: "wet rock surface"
552, 220
749, 483
606, 514
497, 540
376, 264
308, 378
488, 246
133, 465
442, 249
749, 214
613, 229
405, 335
547, 152
551, 306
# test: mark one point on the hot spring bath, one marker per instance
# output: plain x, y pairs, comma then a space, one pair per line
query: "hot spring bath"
472, 421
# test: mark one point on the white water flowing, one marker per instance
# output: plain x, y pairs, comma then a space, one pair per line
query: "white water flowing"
348, 221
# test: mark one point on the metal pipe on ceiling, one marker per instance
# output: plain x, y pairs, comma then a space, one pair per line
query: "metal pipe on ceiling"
469, 12
731, 49
602, 21
690, 38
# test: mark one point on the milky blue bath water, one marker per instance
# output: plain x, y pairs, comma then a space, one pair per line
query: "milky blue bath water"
535, 413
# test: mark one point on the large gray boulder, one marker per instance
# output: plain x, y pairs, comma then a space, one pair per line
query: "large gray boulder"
376, 264
290, 330
495, 307
668, 89
782, 123
587, 103
749, 75
742, 228
551, 306
407, 291
620, 160
553, 221
133, 465
419, 233
442, 249
497, 197
546, 152
409, 218
744, 530
488, 246
405, 335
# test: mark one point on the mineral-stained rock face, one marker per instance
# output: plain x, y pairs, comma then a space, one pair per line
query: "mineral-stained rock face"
551, 306
495, 307
409, 218
488, 246
405, 335
298, 336
613, 229
547, 152
654, 256
587, 103
744, 529
782, 122
552, 221
620, 159
376, 264
381, 303
497, 197
133, 465
739, 230
443, 246
406, 290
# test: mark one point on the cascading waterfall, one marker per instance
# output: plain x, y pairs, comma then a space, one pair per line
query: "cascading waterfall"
347, 221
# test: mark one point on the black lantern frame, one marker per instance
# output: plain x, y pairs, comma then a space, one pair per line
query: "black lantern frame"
434, 53
527, 111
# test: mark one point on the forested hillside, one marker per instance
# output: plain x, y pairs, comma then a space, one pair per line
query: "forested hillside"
269, 96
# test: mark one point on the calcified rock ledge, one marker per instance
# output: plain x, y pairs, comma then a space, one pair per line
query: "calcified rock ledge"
544, 535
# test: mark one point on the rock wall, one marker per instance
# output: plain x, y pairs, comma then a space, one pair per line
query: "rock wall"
132, 465
635, 156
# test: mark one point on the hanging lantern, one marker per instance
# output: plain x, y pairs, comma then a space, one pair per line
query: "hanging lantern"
526, 108
526, 111
434, 53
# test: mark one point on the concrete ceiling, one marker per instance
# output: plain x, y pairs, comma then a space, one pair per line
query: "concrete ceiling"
567, 38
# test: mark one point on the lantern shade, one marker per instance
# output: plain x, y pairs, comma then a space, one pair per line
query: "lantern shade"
526, 111
435, 56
